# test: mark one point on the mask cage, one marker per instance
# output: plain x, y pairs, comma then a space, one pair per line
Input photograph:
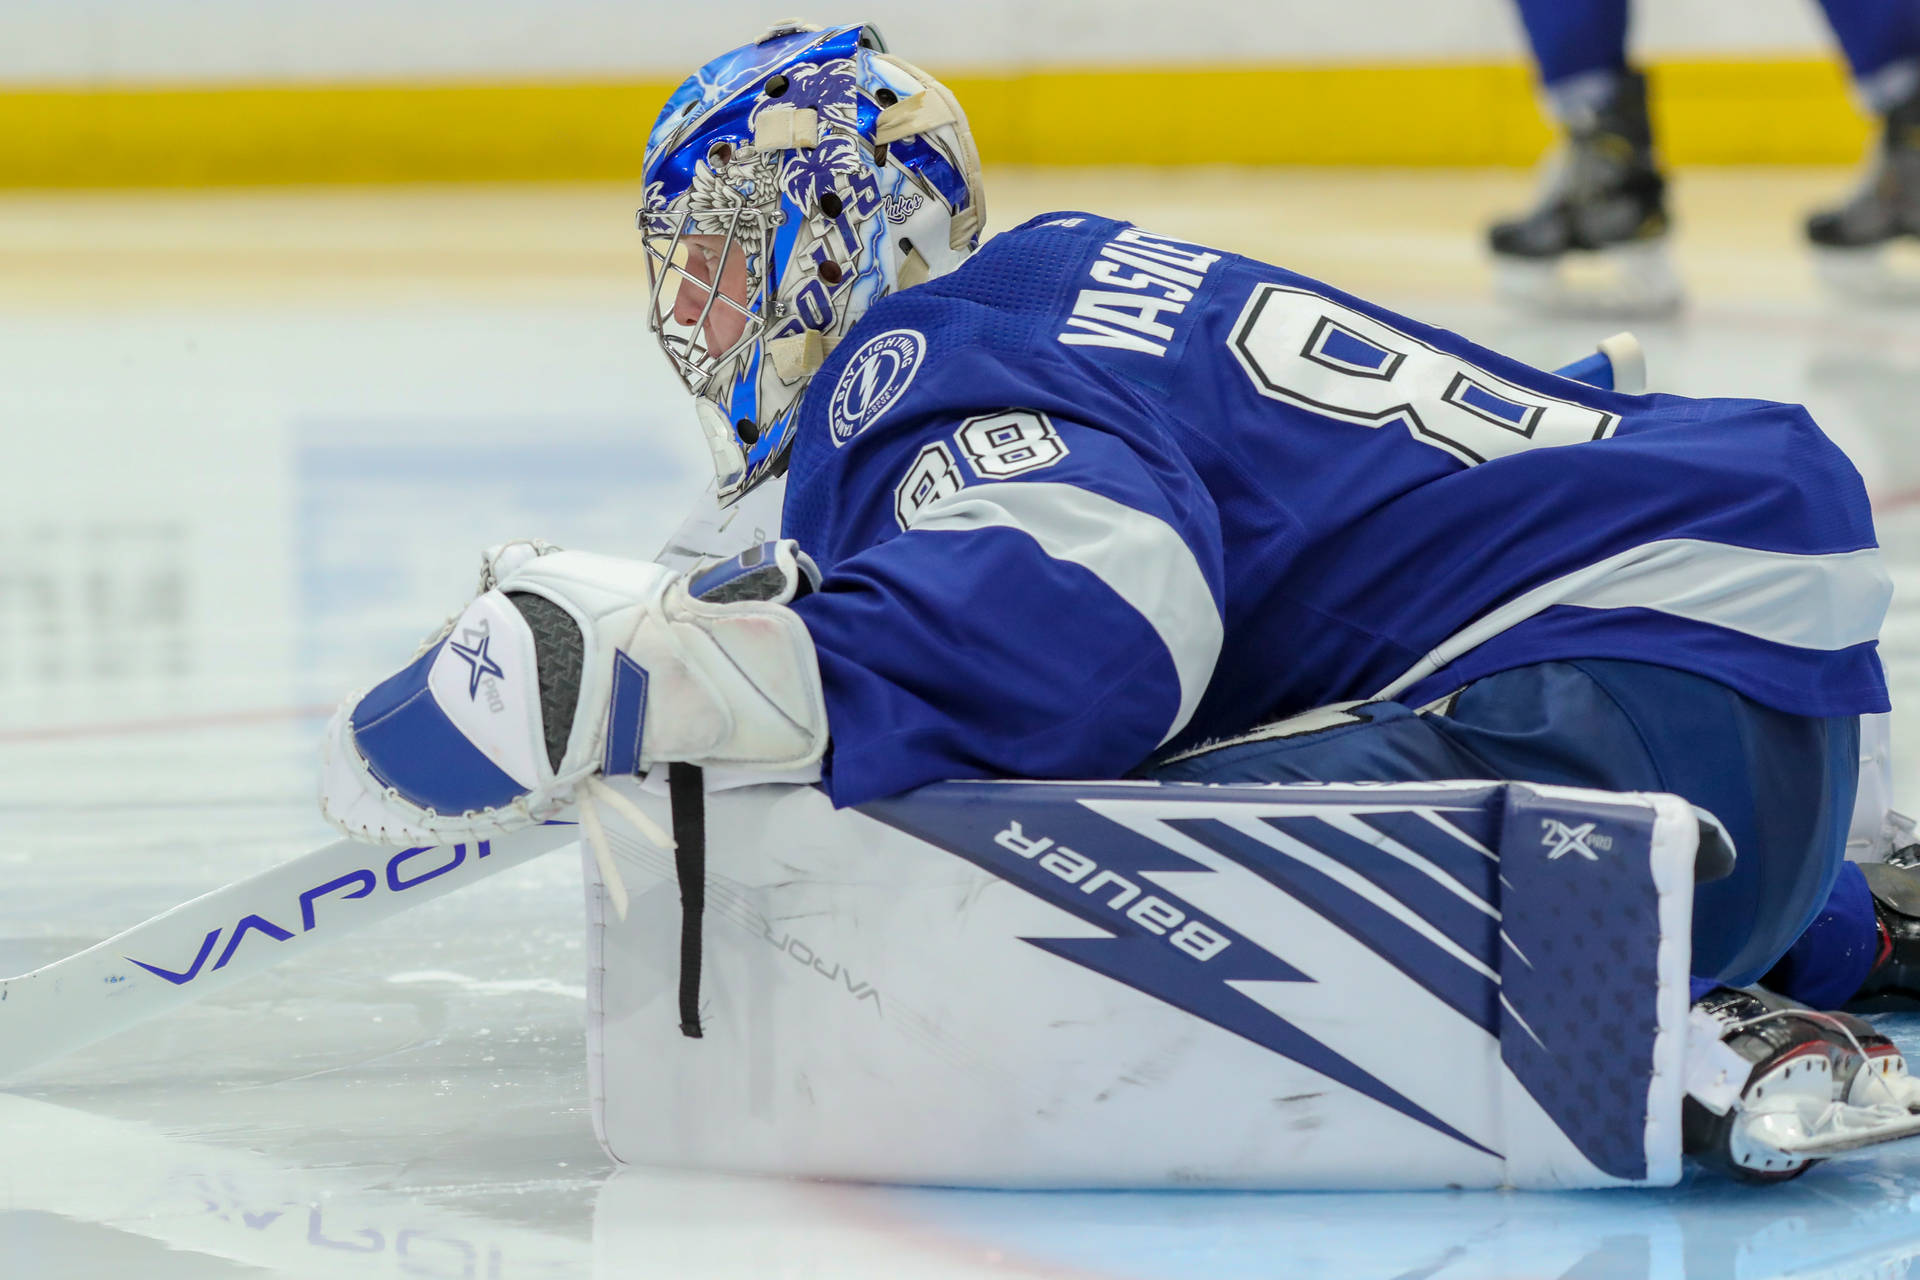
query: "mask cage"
692, 264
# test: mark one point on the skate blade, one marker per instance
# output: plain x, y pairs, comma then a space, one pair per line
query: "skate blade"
1836, 1130
1628, 281
1885, 273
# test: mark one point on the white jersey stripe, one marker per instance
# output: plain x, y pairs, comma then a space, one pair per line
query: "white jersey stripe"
1825, 602
1139, 556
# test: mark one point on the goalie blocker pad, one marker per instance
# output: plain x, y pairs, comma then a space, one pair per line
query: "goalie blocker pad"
1028, 984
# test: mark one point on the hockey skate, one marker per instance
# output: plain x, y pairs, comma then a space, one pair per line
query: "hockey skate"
1895, 884
1869, 246
1596, 243
1774, 1087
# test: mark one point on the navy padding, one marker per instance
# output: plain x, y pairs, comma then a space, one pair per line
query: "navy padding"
1836, 953
411, 746
626, 717
1389, 743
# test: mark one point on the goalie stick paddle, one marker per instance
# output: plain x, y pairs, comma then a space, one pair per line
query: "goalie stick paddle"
232, 933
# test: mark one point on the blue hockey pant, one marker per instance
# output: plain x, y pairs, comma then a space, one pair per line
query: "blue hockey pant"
1781, 784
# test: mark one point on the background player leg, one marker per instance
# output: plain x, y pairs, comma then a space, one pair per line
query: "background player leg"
1881, 41
1596, 240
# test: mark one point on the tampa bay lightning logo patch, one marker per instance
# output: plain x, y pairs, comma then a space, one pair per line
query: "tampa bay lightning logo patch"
874, 379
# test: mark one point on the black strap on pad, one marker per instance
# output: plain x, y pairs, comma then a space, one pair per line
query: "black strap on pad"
687, 789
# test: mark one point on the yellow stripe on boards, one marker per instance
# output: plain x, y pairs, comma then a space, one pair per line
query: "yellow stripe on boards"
1793, 111
175, 137
1410, 115
1786, 112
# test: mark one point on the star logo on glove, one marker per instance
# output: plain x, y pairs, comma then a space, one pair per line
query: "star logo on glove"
479, 665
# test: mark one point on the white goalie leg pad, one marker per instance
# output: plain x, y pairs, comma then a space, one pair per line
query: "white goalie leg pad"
1108, 925
570, 665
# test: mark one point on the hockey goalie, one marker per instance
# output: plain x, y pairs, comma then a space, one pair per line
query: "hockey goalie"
1186, 725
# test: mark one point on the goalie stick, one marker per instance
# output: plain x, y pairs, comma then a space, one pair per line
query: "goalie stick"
235, 932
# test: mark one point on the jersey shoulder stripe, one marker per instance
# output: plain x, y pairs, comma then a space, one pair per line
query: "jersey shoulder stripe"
1757, 593
1139, 557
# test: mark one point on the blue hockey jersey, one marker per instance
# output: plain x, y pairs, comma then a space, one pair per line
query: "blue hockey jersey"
1100, 491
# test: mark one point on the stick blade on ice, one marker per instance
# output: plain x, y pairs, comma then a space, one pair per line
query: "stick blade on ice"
234, 932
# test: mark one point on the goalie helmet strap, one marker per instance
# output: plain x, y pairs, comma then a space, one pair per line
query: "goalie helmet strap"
798, 356
786, 129
914, 270
918, 114
687, 789
929, 109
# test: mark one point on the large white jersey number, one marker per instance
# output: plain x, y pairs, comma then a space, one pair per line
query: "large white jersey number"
1313, 352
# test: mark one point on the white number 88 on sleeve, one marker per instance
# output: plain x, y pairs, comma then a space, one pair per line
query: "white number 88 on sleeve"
1012, 443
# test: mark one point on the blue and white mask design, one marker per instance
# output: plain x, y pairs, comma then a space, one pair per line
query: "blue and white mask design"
790, 184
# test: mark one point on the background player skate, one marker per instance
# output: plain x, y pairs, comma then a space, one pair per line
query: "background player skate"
1095, 502
1607, 192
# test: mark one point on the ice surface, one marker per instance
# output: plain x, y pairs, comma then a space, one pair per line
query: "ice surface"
253, 444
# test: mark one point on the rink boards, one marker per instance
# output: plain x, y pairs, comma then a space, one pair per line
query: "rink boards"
1142, 985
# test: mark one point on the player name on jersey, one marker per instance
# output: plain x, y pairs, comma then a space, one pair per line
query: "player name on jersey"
1139, 276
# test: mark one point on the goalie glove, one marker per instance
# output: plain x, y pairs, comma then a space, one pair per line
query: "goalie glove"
571, 665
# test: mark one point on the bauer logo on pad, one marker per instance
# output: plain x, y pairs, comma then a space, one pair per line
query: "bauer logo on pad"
878, 375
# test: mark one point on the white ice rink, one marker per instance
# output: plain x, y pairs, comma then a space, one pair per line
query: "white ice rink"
253, 444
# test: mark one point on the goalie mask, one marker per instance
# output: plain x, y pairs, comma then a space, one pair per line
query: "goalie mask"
790, 184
